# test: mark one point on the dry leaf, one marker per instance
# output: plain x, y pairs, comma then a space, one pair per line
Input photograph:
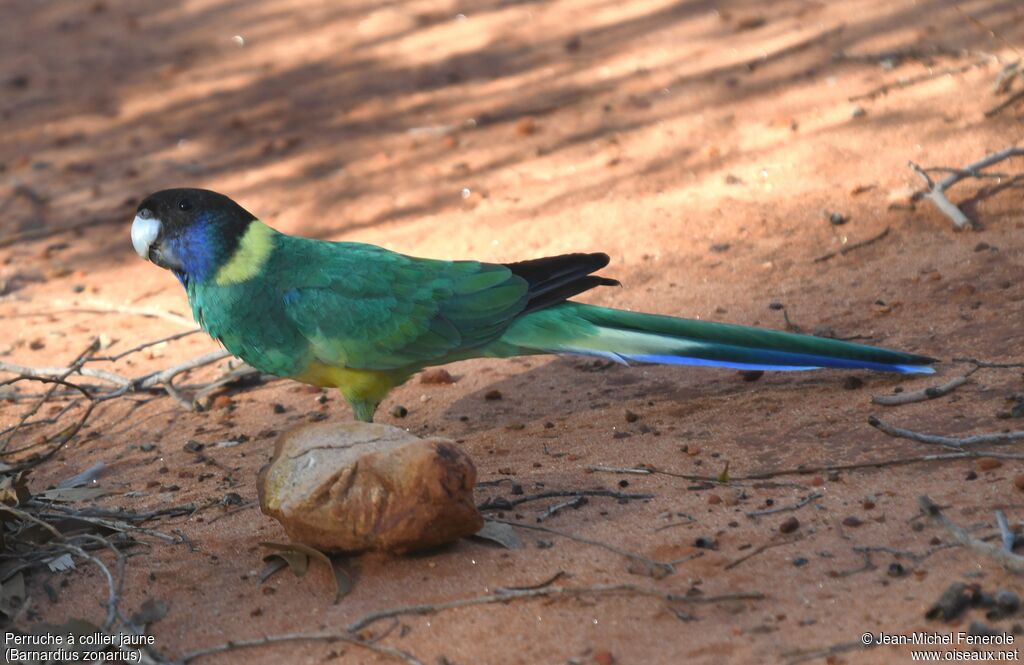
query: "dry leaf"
151, 611
72, 494
61, 563
500, 533
342, 582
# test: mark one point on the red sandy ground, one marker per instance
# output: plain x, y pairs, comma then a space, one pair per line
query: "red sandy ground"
701, 144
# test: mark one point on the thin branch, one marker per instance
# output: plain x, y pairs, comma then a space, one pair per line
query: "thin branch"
75, 366
846, 249
112, 592
540, 585
1010, 561
56, 372
612, 469
796, 657
127, 515
932, 392
985, 364
672, 525
920, 78
160, 379
559, 507
1005, 104
782, 509
146, 345
648, 470
759, 550
506, 595
267, 640
936, 191
651, 564
946, 441
1006, 534
501, 503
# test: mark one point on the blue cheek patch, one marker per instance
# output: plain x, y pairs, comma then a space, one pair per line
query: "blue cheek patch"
194, 248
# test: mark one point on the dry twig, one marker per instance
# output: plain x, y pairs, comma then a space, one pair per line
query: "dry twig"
268, 640
846, 249
758, 550
931, 392
1010, 561
501, 503
505, 595
936, 191
899, 84
782, 509
946, 441
660, 568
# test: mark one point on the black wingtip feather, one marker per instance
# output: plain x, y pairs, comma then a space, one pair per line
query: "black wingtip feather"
555, 279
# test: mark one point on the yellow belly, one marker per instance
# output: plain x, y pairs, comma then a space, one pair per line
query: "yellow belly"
355, 384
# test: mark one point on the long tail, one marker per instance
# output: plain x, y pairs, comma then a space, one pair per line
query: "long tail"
648, 338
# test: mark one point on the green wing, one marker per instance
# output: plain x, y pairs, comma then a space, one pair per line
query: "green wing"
364, 307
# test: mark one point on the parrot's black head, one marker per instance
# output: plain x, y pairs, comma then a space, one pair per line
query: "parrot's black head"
191, 232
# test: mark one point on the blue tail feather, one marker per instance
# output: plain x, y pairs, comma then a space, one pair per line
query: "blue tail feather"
808, 363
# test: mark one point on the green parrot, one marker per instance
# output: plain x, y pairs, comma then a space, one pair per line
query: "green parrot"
364, 319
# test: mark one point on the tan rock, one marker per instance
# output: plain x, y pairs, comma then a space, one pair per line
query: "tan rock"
351, 487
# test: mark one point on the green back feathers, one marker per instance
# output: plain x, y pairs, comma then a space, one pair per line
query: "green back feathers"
352, 305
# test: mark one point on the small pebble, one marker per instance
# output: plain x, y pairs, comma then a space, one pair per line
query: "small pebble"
399, 411
988, 464
896, 570
800, 561
436, 375
1007, 601
789, 525
852, 521
526, 126
706, 543
1018, 482
193, 446
222, 402
837, 219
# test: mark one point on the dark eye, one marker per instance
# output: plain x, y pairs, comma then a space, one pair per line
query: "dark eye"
184, 204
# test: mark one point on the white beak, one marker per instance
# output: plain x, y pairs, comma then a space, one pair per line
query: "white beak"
144, 232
